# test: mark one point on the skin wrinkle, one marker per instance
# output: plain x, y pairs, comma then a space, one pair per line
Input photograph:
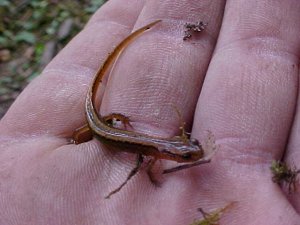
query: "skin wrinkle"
240, 28
263, 46
108, 23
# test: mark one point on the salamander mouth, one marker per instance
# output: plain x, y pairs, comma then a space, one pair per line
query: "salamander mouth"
182, 157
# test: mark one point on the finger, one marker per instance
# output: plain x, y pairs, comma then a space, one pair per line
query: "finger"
292, 155
249, 96
159, 69
250, 91
54, 102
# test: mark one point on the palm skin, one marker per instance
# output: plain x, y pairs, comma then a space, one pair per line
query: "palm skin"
248, 101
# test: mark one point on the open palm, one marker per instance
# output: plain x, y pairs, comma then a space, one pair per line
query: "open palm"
249, 57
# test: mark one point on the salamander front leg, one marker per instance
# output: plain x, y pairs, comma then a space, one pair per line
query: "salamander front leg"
113, 118
82, 134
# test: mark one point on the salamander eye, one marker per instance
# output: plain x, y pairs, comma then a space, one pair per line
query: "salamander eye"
194, 141
186, 156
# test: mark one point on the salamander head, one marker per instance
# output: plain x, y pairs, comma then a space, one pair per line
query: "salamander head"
183, 152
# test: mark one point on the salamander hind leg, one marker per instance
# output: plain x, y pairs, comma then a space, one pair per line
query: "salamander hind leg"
133, 172
151, 173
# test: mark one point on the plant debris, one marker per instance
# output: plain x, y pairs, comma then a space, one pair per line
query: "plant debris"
5, 55
191, 28
212, 218
282, 173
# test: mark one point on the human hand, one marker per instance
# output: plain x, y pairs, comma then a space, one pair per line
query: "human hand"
248, 101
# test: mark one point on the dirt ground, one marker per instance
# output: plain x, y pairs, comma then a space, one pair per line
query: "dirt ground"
32, 32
